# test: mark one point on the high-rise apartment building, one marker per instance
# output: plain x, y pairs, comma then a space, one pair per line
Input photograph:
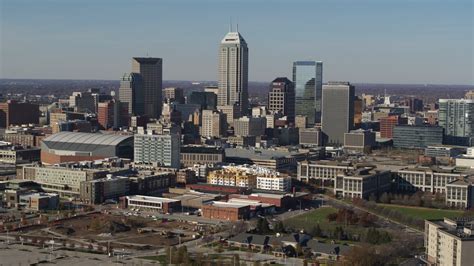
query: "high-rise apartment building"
337, 111
213, 124
151, 71
456, 116
308, 79
162, 150
233, 72
131, 92
281, 98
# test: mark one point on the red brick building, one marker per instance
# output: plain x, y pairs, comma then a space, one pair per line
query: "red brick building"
15, 113
219, 210
386, 126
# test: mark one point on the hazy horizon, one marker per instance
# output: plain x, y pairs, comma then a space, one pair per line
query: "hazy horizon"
373, 42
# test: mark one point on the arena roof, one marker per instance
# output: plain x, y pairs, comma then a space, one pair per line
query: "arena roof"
82, 141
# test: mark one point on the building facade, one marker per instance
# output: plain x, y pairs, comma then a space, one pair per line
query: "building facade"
163, 150
281, 98
308, 79
151, 72
213, 124
131, 92
337, 111
233, 72
418, 137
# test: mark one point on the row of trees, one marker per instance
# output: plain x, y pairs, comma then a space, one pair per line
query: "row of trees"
347, 216
388, 212
418, 199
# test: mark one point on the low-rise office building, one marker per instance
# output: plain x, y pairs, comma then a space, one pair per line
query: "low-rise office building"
147, 203
449, 241
39, 201
310, 136
99, 190
192, 155
460, 193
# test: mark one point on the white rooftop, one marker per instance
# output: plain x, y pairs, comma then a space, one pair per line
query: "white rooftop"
150, 199
233, 37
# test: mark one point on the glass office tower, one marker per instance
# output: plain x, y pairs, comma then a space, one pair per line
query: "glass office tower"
308, 80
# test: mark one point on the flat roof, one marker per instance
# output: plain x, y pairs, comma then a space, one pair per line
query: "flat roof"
265, 154
150, 199
222, 204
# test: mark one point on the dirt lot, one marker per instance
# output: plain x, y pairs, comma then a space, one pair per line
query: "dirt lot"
131, 232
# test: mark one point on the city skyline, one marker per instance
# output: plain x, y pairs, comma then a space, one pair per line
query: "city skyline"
416, 42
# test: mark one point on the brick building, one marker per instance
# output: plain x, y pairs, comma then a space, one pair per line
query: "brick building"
219, 210
15, 113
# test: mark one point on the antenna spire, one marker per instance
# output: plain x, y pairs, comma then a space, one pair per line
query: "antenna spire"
230, 25
237, 27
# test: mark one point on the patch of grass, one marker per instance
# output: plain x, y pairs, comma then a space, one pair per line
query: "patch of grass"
308, 220
423, 213
160, 258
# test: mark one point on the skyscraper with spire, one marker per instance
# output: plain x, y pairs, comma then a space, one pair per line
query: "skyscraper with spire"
233, 72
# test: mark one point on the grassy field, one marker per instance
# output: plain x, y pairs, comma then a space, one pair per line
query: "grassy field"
308, 220
424, 213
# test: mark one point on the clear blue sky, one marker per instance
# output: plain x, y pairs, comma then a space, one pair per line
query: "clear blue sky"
390, 41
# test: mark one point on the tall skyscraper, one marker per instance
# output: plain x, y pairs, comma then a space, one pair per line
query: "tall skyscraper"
337, 111
131, 92
233, 72
281, 98
456, 116
151, 71
308, 79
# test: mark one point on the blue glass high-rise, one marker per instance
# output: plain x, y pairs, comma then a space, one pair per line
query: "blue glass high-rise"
308, 80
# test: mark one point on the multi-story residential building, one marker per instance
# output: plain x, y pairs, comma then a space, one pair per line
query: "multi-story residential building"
308, 79
449, 241
213, 124
161, 150
418, 137
337, 111
281, 98
232, 176
131, 93
324, 170
192, 155
456, 116
99, 190
362, 183
250, 126
426, 179
151, 72
274, 182
233, 72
